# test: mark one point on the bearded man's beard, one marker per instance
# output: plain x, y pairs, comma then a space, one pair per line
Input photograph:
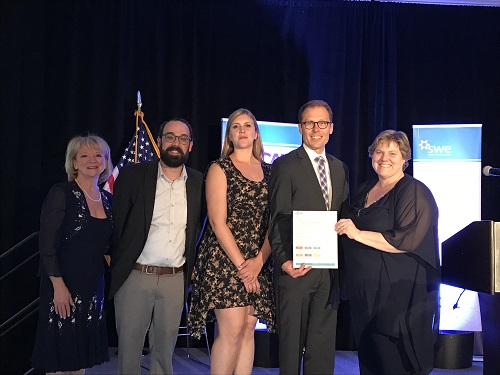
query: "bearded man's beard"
173, 160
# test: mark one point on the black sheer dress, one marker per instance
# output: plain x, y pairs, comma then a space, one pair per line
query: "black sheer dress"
72, 244
394, 297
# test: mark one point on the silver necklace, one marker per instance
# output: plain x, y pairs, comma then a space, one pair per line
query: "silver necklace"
88, 195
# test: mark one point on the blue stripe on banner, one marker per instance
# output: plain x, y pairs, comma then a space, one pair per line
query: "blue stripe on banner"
446, 143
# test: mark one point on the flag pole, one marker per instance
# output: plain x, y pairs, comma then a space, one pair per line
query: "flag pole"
137, 114
139, 101
141, 115
141, 148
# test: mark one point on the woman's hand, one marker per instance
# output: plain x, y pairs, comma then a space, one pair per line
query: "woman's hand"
249, 270
347, 227
373, 239
253, 286
62, 298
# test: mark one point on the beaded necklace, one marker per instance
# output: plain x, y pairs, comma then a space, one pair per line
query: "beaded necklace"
88, 195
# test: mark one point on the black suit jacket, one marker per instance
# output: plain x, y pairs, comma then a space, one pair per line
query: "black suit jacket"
133, 203
295, 186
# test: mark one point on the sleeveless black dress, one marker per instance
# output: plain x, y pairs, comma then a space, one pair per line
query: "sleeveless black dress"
216, 284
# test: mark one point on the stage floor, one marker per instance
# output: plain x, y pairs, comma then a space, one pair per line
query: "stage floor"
346, 363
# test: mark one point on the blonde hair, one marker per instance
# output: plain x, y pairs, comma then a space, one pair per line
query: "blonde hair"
92, 141
399, 138
228, 147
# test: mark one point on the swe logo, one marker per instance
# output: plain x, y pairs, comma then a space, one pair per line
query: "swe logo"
435, 150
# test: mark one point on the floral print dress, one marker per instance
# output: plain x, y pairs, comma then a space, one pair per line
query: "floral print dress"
216, 283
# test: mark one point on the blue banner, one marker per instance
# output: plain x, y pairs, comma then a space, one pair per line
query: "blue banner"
446, 143
447, 158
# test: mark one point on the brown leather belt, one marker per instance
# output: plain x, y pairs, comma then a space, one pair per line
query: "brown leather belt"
156, 270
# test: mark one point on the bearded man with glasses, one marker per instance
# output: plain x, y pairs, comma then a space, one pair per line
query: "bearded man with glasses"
157, 210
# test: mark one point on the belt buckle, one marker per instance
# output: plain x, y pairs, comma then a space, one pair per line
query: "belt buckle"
148, 273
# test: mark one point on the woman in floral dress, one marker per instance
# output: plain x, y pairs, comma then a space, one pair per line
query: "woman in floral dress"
233, 273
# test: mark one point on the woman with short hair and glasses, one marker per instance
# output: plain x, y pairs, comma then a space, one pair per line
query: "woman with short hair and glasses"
233, 272
392, 264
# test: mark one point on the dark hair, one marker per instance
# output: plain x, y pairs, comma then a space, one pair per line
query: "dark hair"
315, 103
398, 137
160, 130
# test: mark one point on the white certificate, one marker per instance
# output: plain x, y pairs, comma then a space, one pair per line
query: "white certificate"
315, 239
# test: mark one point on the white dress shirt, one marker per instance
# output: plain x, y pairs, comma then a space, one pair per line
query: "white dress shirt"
166, 240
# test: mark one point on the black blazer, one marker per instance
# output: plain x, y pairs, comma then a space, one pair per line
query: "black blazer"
295, 186
133, 203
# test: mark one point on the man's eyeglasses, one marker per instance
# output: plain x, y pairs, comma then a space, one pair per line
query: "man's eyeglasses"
310, 124
170, 138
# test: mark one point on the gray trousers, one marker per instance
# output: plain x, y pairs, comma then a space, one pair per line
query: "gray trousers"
148, 301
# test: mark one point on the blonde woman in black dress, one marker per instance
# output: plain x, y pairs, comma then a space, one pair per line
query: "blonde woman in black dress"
233, 271
75, 230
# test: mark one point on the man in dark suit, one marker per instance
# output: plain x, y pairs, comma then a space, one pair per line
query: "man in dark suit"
307, 298
156, 215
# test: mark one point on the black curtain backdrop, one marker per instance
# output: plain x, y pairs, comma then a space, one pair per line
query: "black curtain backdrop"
72, 67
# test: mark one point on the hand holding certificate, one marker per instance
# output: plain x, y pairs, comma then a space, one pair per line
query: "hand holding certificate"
314, 239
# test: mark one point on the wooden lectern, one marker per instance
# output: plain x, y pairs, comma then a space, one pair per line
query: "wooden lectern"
471, 260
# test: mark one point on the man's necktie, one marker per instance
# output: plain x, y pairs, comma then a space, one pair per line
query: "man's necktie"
322, 178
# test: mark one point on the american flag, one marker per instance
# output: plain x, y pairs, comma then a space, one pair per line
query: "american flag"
141, 148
